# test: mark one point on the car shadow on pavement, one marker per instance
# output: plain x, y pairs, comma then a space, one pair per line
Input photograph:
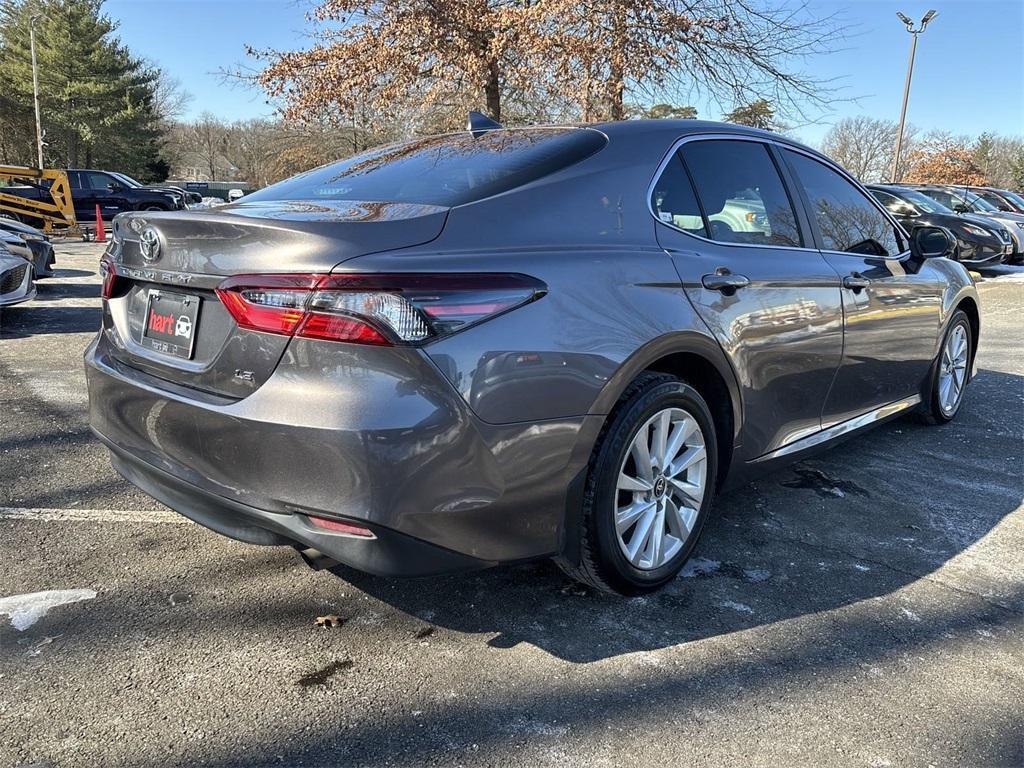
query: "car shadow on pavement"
817, 542
24, 320
862, 520
48, 291
59, 272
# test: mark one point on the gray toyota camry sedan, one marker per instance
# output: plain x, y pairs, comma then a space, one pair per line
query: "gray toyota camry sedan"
506, 344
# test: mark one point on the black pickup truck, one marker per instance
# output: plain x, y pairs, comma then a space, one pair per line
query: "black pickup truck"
113, 192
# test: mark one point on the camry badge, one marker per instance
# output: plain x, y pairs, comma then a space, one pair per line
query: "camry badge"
149, 244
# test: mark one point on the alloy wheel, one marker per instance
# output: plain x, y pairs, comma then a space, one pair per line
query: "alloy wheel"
953, 370
660, 488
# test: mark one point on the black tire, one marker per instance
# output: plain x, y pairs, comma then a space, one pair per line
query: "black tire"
933, 412
603, 565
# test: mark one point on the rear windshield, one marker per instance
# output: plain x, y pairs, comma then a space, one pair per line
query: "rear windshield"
442, 170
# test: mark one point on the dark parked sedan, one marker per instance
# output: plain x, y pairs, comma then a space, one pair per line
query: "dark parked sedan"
37, 242
501, 345
981, 242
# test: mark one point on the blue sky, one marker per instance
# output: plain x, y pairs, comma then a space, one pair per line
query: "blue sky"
968, 75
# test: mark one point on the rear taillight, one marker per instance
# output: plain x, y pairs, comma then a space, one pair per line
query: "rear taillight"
109, 276
405, 308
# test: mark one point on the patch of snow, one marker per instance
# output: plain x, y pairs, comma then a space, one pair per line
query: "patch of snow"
756, 574
26, 610
741, 607
698, 566
910, 614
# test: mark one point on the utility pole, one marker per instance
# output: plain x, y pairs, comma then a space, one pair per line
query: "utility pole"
35, 88
906, 83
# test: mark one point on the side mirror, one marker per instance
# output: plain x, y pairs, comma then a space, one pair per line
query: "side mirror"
113, 186
932, 242
961, 208
906, 210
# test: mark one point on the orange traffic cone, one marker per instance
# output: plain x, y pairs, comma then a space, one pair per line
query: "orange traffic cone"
101, 235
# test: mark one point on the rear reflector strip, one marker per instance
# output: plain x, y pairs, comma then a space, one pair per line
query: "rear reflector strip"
339, 526
320, 325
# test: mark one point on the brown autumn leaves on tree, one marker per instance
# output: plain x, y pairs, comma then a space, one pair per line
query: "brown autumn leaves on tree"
423, 63
943, 160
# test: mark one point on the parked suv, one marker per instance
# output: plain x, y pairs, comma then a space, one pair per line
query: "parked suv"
981, 241
103, 188
500, 345
1003, 199
964, 201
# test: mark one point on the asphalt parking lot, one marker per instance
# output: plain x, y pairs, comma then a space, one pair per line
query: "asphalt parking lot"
861, 608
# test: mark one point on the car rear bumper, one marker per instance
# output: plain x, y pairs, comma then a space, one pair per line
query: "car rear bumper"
42, 257
389, 553
379, 438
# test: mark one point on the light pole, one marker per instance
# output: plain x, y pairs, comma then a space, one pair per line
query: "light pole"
35, 87
906, 83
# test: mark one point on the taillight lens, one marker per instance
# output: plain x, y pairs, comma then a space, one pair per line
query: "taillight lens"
109, 275
403, 308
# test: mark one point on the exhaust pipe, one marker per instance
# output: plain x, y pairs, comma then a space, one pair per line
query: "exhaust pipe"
315, 559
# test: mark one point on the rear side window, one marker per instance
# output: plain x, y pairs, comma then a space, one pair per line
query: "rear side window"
847, 220
442, 170
943, 197
673, 200
741, 192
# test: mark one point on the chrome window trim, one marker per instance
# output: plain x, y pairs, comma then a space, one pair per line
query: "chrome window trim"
713, 137
781, 145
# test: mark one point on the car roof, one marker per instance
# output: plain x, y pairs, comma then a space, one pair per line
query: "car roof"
682, 127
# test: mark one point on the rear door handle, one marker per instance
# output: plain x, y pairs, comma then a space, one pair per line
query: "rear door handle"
725, 281
856, 281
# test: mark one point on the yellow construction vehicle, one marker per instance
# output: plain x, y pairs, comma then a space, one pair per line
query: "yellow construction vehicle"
41, 198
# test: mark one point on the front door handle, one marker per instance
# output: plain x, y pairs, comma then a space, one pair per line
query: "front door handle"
724, 280
856, 281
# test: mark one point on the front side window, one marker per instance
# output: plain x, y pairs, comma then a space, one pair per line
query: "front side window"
673, 200
97, 181
741, 192
925, 203
847, 220
444, 170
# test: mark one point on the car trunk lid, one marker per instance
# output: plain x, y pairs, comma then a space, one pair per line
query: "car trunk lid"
163, 316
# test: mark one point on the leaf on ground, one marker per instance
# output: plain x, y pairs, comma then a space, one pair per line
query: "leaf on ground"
330, 621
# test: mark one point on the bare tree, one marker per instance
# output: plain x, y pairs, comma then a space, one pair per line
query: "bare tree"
735, 51
170, 99
442, 56
208, 138
864, 145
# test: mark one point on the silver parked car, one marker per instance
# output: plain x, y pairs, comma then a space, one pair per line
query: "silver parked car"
500, 345
16, 278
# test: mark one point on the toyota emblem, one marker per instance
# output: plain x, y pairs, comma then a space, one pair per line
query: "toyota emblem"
149, 244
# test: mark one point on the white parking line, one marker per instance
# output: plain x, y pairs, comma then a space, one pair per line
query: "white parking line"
91, 515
